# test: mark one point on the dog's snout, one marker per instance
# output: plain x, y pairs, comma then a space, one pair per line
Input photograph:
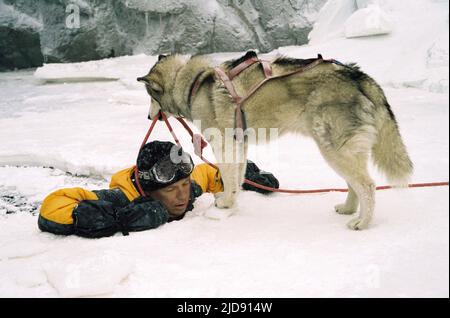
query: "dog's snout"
142, 79
159, 118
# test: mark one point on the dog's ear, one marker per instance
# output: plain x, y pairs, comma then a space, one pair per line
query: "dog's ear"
161, 56
250, 54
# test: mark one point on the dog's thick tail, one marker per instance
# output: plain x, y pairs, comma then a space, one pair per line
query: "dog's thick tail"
390, 154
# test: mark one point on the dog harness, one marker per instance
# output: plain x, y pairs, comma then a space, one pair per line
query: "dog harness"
227, 78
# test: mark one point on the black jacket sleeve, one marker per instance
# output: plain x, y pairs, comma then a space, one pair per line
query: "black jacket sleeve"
253, 173
98, 218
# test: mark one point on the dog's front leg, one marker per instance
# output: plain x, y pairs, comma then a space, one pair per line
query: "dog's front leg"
232, 172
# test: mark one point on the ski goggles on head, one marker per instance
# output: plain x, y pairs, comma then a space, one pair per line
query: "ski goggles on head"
168, 168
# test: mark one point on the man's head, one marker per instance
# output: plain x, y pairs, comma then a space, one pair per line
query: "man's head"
175, 197
164, 171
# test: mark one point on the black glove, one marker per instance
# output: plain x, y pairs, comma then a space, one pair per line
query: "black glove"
253, 173
99, 218
142, 214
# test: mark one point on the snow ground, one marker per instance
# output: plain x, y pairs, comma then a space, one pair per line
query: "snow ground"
59, 132
285, 246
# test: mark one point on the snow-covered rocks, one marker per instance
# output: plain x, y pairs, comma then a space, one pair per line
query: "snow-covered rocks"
13, 18
400, 43
330, 21
74, 31
339, 18
368, 22
19, 39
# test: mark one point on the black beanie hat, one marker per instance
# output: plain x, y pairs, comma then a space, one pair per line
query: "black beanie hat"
150, 154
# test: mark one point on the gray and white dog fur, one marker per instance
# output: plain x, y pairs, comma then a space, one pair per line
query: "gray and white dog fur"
344, 110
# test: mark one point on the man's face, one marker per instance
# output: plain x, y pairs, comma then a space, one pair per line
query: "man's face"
174, 197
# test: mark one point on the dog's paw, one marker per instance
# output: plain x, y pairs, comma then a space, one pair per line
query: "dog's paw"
358, 224
222, 201
343, 209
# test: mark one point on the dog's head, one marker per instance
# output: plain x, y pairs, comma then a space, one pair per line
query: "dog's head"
160, 82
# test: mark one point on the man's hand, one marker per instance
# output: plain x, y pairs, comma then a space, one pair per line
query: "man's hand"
253, 173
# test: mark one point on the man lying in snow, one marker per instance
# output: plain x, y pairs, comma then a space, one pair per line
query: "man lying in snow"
170, 188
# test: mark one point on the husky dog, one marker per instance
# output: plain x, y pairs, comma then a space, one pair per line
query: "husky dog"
344, 110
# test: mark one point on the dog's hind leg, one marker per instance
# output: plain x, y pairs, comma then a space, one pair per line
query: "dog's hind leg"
365, 189
351, 203
353, 168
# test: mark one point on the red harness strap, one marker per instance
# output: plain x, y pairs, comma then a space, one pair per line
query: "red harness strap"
240, 121
164, 117
267, 68
241, 67
197, 140
136, 174
228, 84
268, 74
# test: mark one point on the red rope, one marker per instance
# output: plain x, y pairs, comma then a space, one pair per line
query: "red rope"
414, 185
149, 132
164, 117
199, 152
136, 175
